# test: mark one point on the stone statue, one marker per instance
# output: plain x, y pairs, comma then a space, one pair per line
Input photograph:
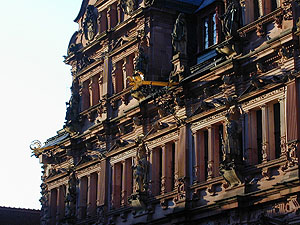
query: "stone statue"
140, 61
90, 24
232, 145
179, 35
129, 6
73, 104
140, 168
71, 196
231, 19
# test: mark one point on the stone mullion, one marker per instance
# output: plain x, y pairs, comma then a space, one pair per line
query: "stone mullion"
124, 71
58, 206
90, 90
176, 163
265, 133
163, 188
282, 126
124, 190
197, 156
211, 142
99, 188
109, 17
261, 7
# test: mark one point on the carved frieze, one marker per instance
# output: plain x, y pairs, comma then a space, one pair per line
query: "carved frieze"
263, 99
208, 121
88, 170
163, 139
122, 156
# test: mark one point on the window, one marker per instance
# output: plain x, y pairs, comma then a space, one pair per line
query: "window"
209, 29
277, 129
259, 135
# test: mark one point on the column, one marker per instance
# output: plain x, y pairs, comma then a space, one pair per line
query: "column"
211, 142
123, 184
176, 163
109, 17
196, 136
265, 133
282, 126
120, 13
261, 7
124, 71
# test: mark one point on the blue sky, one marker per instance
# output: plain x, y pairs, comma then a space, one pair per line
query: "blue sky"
35, 84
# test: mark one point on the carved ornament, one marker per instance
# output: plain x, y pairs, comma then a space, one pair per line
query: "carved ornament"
129, 6
90, 23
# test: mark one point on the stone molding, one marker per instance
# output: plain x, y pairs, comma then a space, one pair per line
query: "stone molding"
173, 136
122, 156
58, 183
87, 171
264, 99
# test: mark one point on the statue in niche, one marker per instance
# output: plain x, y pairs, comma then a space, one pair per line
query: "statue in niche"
179, 35
232, 152
140, 168
140, 61
129, 6
232, 145
90, 24
231, 19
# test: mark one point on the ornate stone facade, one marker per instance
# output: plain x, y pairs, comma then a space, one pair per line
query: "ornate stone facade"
182, 112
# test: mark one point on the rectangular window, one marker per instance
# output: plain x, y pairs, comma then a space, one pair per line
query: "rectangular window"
256, 9
277, 129
209, 31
